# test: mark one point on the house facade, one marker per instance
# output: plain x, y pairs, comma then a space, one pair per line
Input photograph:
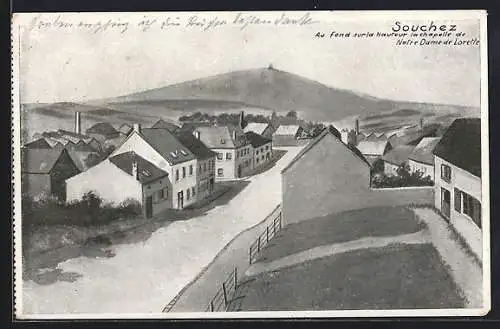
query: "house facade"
234, 153
164, 150
44, 171
458, 188
134, 178
263, 129
396, 158
288, 135
373, 150
262, 149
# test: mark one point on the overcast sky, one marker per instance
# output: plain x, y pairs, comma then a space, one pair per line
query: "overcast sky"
75, 65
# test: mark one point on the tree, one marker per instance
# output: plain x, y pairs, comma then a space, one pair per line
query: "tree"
292, 114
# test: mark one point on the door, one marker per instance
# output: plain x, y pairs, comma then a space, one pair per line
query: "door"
445, 202
149, 206
239, 170
180, 200
211, 184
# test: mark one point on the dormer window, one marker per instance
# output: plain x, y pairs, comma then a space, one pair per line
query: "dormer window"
173, 154
183, 152
146, 173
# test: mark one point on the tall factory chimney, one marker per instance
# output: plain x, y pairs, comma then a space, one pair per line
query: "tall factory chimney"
241, 120
78, 123
356, 127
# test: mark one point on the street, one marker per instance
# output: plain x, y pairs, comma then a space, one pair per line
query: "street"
143, 276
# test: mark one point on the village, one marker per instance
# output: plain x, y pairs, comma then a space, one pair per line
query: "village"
266, 172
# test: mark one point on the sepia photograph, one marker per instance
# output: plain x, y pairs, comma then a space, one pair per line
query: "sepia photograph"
250, 164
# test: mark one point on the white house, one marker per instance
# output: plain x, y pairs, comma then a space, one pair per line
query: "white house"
395, 158
162, 148
123, 177
263, 129
373, 150
234, 151
457, 171
421, 158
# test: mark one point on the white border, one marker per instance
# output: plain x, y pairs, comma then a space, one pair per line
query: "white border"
19, 19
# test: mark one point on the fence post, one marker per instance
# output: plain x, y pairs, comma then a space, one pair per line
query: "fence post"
267, 234
235, 278
279, 222
212, 305
274, 229
258, 245
225, 293
250, 256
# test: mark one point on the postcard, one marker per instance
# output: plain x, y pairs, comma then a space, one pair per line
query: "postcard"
250, 164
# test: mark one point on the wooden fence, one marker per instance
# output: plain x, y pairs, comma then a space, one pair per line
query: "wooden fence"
223, 296
263, 239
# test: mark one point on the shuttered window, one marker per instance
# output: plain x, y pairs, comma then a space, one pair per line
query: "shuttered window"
458, 200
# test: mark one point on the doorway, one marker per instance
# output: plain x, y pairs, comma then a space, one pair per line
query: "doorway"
445, 202
239, 171
211, 185
180, 200
149, 206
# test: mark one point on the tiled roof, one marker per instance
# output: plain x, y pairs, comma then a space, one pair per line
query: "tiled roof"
315, 141
376, 148
222, 136
256, 127
147, 172
200, 150
398, 155
125, 128
461, 145
167, 144
38, 144
287, 130
257, 140
423, 151
39, 161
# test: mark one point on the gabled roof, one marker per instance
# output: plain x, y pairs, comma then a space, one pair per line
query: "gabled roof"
68, 133
147, 172
290, 130
79, 158
81, 146
461, 145
167, 145
256, 140
423, 151
102, 128
222, 136
38, 144
125, 128
398, 155
200, 150
39, 161
256, 127
373, 147
316, 140
166, 125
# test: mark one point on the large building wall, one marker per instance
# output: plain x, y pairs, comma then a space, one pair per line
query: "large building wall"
152, 189
203, 177
425, 169
183, 184
469, 184
260, 152
228, 166
108, 181
329, 178
35, 184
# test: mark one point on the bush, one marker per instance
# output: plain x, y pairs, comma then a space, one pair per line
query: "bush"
403, 178
90, 210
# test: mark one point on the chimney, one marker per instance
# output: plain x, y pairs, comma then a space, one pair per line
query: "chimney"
196, 134
422, 123
356, 127
135, 172
78, 127
137, 127
234, 134
242, 118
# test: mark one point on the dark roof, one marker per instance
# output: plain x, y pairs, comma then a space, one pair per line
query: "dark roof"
222, 136
257, 140
81, 146
39, 161
147, 171
191, 126
166, 125
319, 138
200, 150
72, 134
461, 145
102, 128
423, 150
398, 155
125, 128
40, 143
167, 144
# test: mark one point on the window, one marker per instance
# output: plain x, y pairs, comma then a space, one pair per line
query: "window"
193, 191
200, 168
219, 156
183, 172
267, 147
262, 149
161, 194
446, 173
205, 167
188, 194
257, 160
237, 154
190, 170
177, 174
183, 152
165, 194
472, 208
457, 200
220, 172
228, 156
222, 141
257, 152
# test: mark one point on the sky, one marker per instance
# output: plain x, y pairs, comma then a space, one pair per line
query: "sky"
75, 64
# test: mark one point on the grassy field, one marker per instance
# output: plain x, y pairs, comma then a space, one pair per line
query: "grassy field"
343, 227
395, 277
